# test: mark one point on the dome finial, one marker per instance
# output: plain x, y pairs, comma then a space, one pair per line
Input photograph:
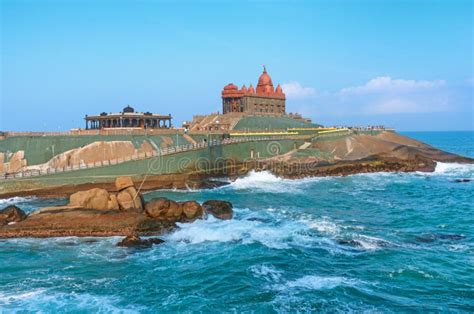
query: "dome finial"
264, 69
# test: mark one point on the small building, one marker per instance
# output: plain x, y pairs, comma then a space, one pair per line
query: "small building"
264, 100
128, 118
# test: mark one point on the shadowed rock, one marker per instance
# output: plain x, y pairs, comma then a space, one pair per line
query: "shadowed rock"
465, 180
163, 208
219, 209
134, 240
11, 214
263, 220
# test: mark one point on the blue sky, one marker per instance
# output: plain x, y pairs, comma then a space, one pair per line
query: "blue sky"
405, 64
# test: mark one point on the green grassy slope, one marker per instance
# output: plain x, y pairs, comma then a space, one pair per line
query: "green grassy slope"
270, 124
198, 160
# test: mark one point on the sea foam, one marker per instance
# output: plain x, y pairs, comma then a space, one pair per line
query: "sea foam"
313, 282
257, 180
454, 169
214, 230
14, 200
267, 182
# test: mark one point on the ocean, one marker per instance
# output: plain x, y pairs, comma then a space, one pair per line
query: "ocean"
371, 242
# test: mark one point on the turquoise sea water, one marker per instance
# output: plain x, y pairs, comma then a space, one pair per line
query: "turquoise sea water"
375, 242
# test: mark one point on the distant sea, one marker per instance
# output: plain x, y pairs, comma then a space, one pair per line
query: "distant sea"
372, 242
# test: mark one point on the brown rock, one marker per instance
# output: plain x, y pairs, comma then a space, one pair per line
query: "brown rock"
17, 161
218, 209
93, 199
163, 208
122, 183
130, 200
67, 221
11, 214
113, 203
174, 212
157, 207
99, 151
192, 210
135, 241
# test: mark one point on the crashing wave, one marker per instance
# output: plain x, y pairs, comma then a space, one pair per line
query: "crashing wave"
14, 200
454, 169
256, 179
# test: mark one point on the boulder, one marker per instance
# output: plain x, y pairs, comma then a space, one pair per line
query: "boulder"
11, 214
122, 183
135, 241
157, 207
192, 210
163, 208
218, 209
94, 199
113, 203
130, 200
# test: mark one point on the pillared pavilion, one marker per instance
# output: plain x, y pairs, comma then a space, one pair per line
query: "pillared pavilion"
128, 118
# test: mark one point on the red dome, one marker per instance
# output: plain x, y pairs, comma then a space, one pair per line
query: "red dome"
265, 79
230, 86
265, 85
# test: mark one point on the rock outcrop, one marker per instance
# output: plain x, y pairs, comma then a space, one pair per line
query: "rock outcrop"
93, 199
163, 208
358, 153
121, 183
11, 214
218, 209
95, 152
80, 222
89, 214
128, 198
16, 162
192, 210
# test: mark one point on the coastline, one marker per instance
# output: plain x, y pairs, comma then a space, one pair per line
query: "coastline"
296, 169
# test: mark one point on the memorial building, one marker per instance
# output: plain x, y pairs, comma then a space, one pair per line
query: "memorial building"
263, 100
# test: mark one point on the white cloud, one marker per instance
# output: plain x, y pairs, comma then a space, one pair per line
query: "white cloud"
296, 90
385, 84
378, 96
413, 104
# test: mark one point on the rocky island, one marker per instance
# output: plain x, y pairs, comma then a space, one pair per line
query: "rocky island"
118, 208
104, 168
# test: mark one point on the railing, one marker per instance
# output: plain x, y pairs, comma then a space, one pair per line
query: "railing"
109, 131
141, 156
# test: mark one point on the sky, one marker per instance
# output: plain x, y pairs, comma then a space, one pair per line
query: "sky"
403, 64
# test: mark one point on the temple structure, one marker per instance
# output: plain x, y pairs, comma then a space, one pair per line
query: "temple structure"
128, 118
264, 100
